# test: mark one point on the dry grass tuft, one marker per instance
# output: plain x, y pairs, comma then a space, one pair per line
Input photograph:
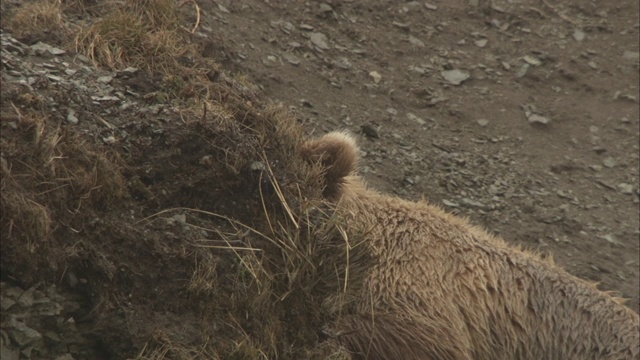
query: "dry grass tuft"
148, 35
51, 180
143, 34
280, 266
37, 17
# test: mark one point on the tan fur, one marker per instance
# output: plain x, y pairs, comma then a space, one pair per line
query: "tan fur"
444, 289
337, 152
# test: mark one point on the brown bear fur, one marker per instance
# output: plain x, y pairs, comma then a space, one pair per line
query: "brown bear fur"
444, 289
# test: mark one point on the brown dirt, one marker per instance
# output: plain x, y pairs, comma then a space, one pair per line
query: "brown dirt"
554, 194
104, 208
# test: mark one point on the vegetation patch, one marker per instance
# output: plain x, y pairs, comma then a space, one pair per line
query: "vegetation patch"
194, 232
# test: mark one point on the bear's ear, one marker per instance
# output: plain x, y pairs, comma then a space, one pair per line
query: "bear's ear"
338, 153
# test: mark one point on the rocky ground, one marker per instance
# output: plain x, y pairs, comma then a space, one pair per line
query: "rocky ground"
522, 115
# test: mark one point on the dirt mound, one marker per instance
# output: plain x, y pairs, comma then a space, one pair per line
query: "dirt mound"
184, 230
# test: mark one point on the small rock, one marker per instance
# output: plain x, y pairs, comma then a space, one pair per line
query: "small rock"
8, 354
376, 76
270, 61
109, 140
430, 6
26, 299
105, 98
523, 70
370, 131
578, 35
21, 333
415, 41
483, 122
257, 166
609, 162
481, 43
71, 117
413, 117
319, 40
538, 119
631, 55
53, 77
42, 49
450, 203
404, 26
291, 58
6, 303
343, 63
532, 60
105, 79
592, 65
83, 58
472, 203
325, 8
455, 77
610, 239
127, 72
625, 188
48, 308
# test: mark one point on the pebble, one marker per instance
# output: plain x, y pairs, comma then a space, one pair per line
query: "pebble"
609, 162
376, 76
532, 60
41, 48
319, 40
578, 35
631, 55
472, 203
415, 118
523, 70
481, 43
455, 77
291, 58
538, 119
610, 239
325, 8
415, 41
21, 333
625, 188
343, 63
483, 122
105, 79
71, 117
370, 131
450, 203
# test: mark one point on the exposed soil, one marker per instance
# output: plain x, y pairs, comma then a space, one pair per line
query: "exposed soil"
522, 115
558, 187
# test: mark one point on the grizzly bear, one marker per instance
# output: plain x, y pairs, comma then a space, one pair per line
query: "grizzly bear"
441, 288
